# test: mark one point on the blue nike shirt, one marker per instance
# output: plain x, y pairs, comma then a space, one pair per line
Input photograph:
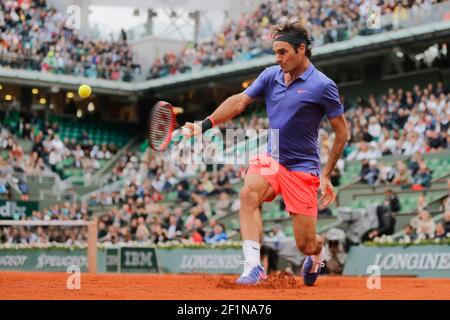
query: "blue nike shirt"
296, 112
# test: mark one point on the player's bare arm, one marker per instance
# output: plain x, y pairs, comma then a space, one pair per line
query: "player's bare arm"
227, 110
340, 129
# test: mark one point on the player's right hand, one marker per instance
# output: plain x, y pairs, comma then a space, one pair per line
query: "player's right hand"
191, 129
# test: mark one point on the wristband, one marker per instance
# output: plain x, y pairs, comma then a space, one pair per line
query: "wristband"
207, 124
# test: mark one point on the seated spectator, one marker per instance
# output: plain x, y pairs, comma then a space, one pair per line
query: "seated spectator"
387, 173
212, 223
370, 172
408, 233
422, 179
16, 153
34, 165
102, 232
276, 235
402, 176
362, 152
222, 206
173, 228
142, 232
388, 143
3, 186
157, 234
447, 221
198, 234
271, 247
440, 231
24, 189
198, 210
182, 194
426, 227
413, 144
104, 153
219, 234
414, 164
386, 224
436, 140
364, 170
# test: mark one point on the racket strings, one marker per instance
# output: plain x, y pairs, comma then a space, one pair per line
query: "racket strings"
160, 125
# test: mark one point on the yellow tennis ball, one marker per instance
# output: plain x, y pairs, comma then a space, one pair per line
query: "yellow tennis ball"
84, 91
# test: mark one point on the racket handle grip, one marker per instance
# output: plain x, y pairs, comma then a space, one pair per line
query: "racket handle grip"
185, 131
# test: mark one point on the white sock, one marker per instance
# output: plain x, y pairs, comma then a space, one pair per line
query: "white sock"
251, 251
319, 257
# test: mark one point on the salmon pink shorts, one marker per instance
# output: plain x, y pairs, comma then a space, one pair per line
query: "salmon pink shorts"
298, 189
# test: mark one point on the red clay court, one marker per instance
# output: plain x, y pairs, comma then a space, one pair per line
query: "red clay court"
20, 285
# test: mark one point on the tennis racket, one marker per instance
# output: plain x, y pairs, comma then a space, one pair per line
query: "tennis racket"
162, 126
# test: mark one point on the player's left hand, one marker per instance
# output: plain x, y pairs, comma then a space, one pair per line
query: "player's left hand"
327, 191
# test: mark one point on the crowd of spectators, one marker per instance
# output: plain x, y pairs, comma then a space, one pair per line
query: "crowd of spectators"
422, 226
250, 36
414, 174
161, 199
140, 210
14, 160
34, 36
401, 122
44, 235
145, 213
71, 236
139, 203
48, 150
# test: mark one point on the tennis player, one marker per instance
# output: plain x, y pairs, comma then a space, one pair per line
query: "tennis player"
297, 98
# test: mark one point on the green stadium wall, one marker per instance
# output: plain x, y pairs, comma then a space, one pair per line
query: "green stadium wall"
125, 260
431, 261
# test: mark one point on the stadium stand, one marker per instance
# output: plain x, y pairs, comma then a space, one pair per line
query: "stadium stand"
250, 36
34, 37
151, 187
394, 170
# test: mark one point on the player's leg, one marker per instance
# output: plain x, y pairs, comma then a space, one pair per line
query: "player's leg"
304, 227
299, 190
255, 191
310, 244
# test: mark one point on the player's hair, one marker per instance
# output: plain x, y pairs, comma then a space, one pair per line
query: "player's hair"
299, 30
